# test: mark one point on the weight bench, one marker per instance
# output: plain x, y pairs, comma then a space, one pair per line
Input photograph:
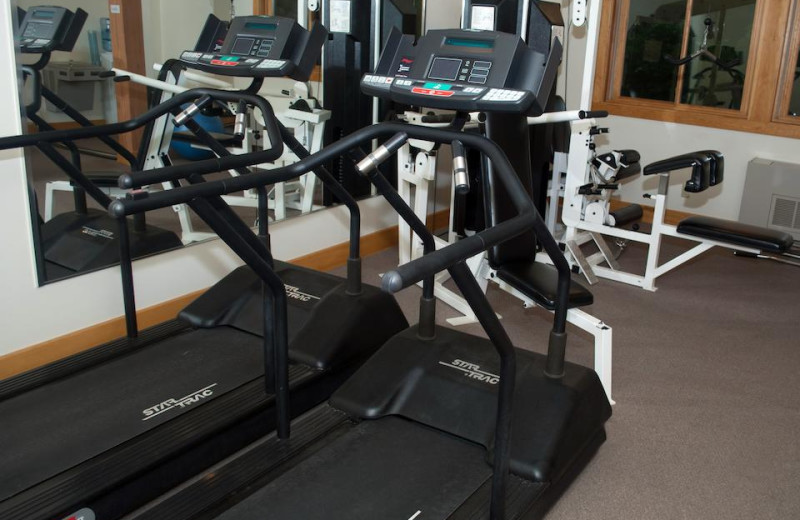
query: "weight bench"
707, 170
737, 234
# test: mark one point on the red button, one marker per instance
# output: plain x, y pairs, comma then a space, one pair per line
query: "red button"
224, 63
431, 92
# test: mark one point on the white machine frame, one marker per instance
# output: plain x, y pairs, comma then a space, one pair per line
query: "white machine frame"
579, 212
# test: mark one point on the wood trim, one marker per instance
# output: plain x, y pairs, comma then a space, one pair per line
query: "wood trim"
63, 346
261, 7
127, 43
758, 102
336, 256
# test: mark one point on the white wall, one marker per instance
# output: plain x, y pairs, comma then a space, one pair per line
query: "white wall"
30, 314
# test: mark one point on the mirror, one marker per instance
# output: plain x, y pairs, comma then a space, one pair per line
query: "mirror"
68, 244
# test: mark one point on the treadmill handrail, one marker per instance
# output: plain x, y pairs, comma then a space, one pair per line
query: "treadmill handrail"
409, 273
451, 257
171, 106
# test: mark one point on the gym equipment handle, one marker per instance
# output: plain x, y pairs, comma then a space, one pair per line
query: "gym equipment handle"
591, 114
270, 124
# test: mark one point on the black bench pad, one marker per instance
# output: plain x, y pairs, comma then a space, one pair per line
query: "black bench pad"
538, 282
737, 233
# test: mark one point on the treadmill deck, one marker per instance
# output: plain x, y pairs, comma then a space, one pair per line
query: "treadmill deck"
58, 426
388, 469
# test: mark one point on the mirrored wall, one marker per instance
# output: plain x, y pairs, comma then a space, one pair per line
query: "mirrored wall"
68, 86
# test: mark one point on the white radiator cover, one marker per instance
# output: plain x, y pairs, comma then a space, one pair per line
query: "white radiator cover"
771, 196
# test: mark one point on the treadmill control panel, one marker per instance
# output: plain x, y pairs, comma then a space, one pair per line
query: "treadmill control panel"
262, 46
460, 92
49, 28
459, 69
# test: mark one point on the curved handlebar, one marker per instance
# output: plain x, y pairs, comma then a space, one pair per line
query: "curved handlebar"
699, 162
170, 106
403, 276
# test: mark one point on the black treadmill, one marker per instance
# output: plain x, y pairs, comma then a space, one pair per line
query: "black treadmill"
102, 432
84, 239
438, 423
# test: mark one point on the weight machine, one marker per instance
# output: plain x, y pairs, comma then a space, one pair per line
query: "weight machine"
586, 210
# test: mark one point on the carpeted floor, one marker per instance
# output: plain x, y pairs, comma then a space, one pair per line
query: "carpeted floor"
707, 384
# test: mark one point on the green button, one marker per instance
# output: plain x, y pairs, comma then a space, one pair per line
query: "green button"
438, 86
229, 58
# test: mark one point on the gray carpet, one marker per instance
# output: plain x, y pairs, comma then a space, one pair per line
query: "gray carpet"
706, 379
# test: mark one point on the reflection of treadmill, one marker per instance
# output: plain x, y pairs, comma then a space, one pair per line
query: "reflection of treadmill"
105, 431
84, 239
425, 429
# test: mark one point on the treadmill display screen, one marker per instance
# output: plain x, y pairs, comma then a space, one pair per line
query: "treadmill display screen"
44, 15
243, 46
261, 26
445, 69
469, 42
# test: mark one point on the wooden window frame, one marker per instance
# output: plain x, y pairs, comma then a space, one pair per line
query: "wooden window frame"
765, 90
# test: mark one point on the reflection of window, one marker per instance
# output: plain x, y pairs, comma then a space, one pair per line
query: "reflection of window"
286, 8
715, 40
723, 85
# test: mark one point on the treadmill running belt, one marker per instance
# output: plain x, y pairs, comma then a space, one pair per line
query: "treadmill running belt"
81, 416
412, 462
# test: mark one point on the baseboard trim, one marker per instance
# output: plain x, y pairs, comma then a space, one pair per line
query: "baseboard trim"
52, 350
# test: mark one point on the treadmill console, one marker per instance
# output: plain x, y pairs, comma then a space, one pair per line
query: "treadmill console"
464, 70
263, 46
50, 28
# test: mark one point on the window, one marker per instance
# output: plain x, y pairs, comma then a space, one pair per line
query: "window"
720, 63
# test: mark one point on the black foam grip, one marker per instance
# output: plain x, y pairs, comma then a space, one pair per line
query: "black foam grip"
629, 156
626, 215
699, 162
717, 166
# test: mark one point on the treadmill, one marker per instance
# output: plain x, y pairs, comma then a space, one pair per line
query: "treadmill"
84, 239
438, 423
100, 433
